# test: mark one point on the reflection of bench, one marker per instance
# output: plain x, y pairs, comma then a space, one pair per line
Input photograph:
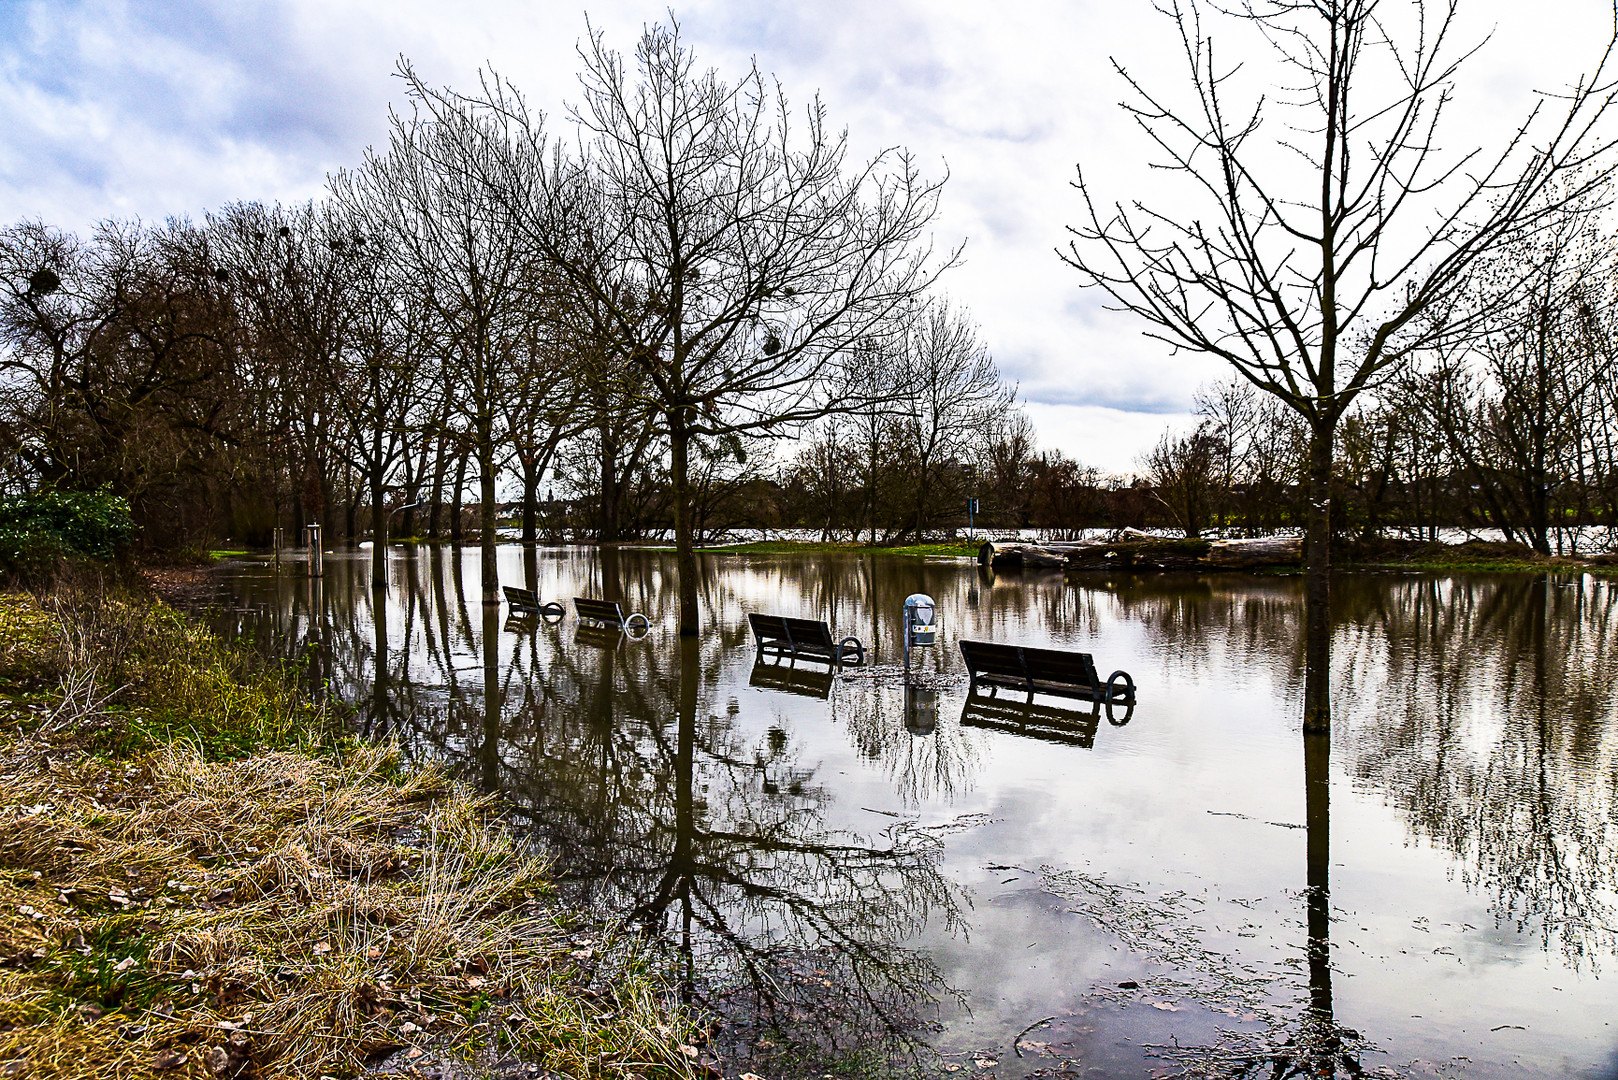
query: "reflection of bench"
608, 613
597, 636
526, 602
809, 682
1044, 671
1033, 721
776, 635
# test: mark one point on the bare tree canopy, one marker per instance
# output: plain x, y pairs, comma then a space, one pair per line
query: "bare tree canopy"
1320, 232
727, 254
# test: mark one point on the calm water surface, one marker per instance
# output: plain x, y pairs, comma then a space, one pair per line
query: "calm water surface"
855, 878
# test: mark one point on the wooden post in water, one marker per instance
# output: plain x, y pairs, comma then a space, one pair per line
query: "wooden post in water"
317, 561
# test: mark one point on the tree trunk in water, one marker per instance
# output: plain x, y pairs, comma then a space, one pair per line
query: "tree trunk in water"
487, 516
435, 519
379, 532
1323, 1044
456, 530
607, 532
1317, 819
530, 497
1317, 585
685, 557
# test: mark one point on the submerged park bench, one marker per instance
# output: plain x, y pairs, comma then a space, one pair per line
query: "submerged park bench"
1054, 672
809, 639
526, 602
608, 613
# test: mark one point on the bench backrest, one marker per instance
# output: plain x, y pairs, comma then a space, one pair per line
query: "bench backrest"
521, 597
810, 632
767, 627
990, 658
802, 633
600, 610
1054, 666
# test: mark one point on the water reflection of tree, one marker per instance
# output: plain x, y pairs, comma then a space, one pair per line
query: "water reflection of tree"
924, 765
1488, 709
718, 847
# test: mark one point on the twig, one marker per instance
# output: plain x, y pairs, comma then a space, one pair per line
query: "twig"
1017, 1049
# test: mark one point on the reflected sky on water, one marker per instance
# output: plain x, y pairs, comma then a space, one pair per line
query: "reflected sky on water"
847, 875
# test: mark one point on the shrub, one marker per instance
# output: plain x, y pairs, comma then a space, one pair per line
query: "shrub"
45, 527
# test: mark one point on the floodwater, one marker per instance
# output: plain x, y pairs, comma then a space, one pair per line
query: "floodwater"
856, 879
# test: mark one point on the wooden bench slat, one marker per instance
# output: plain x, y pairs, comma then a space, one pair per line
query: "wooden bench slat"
521, 598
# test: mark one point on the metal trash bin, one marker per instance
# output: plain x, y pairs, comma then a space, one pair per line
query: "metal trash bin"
921, 620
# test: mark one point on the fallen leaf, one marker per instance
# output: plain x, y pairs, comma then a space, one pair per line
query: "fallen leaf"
168, 1059
125, 964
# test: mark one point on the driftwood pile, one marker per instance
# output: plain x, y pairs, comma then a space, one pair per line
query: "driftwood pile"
1135, 550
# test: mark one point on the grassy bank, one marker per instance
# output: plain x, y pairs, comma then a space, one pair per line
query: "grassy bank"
1479, 556
200, 876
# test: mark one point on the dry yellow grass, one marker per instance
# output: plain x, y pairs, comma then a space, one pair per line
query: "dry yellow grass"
282, 914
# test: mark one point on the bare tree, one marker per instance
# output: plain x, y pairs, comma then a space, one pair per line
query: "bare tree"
951, 393
1320, 259
119, 362
1519, 406
729, 256
474, 275
1184, 472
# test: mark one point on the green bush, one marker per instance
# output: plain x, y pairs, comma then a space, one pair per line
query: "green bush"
39, 529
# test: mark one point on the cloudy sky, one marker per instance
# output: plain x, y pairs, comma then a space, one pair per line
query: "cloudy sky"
151, 108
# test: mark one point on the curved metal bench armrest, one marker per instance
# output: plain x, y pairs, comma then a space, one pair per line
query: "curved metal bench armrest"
645, 626
1127, 690
1120, 695
552, 611
851, 646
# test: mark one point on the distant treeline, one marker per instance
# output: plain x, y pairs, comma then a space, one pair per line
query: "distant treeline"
275, 366
223, 378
